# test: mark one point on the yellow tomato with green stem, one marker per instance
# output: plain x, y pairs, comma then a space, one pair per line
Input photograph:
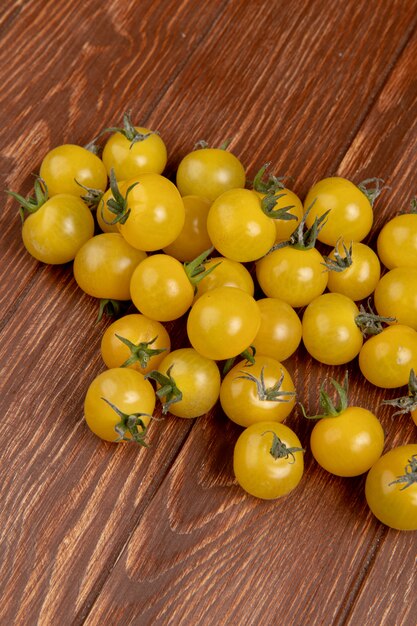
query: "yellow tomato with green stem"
119, 404
354, 271
268, 460
133, 150
188, 384
257, 392
346, 440
54, 229
135, 341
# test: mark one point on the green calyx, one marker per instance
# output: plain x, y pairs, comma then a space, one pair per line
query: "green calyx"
406, 404
372, 188
339, 263
140, 353
129, 131
31, 204
270, 189
248, 355
329, 408
132, 425
168, 388
196, 269
202, 145
369, 323
304, 238
271, 394
92, 196
110, 308
410, 474
279, 450
272, 183
118, 205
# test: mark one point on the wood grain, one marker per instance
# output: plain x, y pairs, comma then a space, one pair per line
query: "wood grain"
94, 533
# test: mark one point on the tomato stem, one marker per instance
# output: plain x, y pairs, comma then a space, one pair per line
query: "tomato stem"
92, 197
279, 450
339, 263
109, 307
410, 474
369, 323
330, 409
168, 388
31, 204
372, 188
406, 404
271, 394
117, 205
140, 352
304, 238
248, 354
130, 424
196, 269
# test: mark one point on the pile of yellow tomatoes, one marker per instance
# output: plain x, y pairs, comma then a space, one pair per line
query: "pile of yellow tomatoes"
200, 249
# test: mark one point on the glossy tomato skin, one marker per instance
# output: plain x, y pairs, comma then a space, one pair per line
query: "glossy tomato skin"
160, 288
394, 505
397, 242
347, 444
396, 295
193, 240
387, 358
358, 281
64, 165
127, 390
129, 160
58, 229
257, 471
156, 215
293, 275
223, 322
238, 227
228, 273
351, 214
198, 379
104, 265
240, 399
285, 228
208, 172
280, 332
330, 333
136, 328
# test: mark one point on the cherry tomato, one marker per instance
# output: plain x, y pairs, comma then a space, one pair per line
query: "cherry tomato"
353, 272
397, 242
238, 227
351, 214
268, 460
161, 289
208, 172
155, 212
194, 377
396, 295
293, 275
129, 392
259, 392
67, 165
104, 265
387, 358
194, 238
280, 331
226, 273
347, 444
135, 341
391, 488
223, 322
134, 150
330, 332
58, 229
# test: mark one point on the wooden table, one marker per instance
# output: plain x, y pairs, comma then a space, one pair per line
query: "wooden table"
99, 533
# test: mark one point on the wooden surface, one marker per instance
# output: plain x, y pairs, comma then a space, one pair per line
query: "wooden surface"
99, 534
